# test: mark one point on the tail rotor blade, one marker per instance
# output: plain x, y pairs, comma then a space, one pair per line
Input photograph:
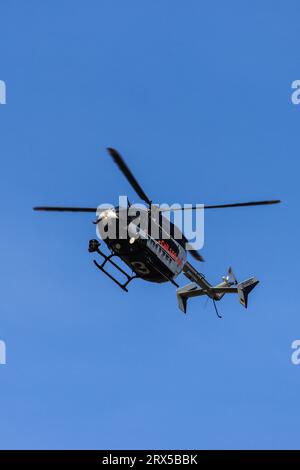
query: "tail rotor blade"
232, 275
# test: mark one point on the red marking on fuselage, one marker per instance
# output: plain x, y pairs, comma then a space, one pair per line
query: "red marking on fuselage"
165, 245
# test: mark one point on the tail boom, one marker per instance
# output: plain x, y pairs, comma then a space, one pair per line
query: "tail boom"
200, 286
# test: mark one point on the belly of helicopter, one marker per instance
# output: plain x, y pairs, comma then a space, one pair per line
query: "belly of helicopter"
151, 260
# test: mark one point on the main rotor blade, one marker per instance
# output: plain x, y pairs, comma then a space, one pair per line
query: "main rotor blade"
128, 175
65, 209
194, 253
223, 206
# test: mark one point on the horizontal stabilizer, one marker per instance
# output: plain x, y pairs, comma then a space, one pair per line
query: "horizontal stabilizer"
244, 289
200, 286
183, 293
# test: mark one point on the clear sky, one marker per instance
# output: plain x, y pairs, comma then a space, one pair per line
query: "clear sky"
197, 97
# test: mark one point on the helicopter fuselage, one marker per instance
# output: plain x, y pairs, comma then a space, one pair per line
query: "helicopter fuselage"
155, 259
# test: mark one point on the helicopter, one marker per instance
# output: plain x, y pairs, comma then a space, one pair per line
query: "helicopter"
159, 258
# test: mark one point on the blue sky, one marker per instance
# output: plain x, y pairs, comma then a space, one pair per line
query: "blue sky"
197, 96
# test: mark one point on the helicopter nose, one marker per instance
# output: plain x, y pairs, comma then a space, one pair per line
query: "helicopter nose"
108, 214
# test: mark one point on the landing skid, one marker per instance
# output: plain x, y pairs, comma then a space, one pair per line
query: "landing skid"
94, 248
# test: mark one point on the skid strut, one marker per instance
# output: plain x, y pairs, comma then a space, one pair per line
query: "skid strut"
94, 248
